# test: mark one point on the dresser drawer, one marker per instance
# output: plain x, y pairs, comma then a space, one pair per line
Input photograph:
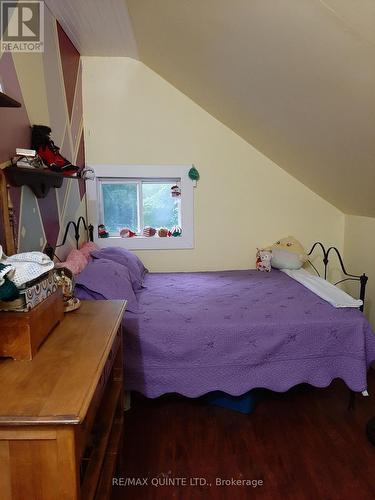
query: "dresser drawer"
83, 431
68, 397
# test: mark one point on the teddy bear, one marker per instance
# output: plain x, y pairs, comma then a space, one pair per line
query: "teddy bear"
263, 260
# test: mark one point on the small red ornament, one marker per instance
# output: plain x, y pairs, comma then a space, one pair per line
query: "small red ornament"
126, 233
149, 231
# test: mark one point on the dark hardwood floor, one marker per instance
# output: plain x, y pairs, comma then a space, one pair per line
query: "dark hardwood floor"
303, 444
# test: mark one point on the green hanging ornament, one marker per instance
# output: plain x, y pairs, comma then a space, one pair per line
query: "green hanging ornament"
193, 174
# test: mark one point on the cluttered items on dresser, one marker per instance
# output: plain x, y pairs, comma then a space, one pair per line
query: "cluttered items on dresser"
33, 298
18, 275
65, 279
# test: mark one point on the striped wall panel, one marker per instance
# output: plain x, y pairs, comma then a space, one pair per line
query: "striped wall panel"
49, 86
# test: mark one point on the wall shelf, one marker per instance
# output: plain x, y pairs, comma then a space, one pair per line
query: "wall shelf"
8, 102
40, 181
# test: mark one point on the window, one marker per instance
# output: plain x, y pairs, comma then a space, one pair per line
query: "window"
139, 203
124, 196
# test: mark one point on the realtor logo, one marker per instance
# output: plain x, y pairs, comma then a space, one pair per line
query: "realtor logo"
22, 26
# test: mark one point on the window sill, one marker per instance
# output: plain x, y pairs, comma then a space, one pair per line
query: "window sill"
146, 243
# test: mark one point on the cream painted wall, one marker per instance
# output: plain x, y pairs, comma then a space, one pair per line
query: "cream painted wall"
31, 77
359, 253
243, 200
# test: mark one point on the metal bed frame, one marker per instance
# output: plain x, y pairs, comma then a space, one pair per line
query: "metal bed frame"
362, 279
50, 251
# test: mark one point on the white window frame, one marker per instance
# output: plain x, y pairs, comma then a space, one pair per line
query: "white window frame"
153, 173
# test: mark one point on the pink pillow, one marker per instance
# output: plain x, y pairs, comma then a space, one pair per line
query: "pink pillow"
75, 261
87, 248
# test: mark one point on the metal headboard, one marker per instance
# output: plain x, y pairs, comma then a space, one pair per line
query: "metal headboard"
50, 251
362, 279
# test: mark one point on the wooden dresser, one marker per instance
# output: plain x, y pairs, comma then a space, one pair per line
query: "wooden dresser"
61, 414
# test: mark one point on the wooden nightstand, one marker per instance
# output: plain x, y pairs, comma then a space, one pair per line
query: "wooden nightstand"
61, 414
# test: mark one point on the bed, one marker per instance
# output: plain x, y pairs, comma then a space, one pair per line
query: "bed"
238, 330
232, 331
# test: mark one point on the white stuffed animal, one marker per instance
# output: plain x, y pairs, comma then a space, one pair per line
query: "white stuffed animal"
263, 260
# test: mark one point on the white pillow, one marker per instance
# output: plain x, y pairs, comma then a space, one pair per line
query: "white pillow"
282, 259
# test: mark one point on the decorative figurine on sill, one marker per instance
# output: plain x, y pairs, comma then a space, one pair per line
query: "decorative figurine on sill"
102, 232
127, 233
149, 231
176, 231
163, 232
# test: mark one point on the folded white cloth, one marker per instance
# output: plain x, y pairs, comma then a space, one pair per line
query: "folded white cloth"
321, 287
26, 266
37, 257
28, 271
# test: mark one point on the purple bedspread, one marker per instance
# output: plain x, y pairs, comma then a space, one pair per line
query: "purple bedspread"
236, 330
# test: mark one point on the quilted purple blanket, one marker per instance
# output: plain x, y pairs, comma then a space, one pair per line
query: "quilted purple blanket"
236, 330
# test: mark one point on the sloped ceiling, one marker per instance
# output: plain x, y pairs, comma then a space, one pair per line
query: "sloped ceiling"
295, 78
96, 27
